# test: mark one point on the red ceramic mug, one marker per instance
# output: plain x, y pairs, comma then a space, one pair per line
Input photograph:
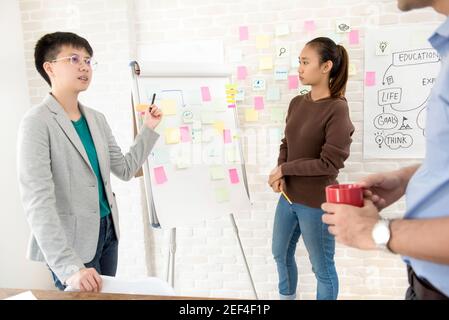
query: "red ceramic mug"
351, 194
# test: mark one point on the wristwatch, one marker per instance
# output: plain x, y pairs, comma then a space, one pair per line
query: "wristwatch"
381, 234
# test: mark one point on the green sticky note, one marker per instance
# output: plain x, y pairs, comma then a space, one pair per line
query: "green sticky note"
217, 173
277, 114
274, 135
273, 94
160, 156
222, 194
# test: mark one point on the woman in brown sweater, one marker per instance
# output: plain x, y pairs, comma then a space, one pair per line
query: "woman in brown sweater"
317, 141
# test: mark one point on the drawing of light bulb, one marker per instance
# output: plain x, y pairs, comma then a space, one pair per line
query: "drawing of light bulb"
383, 45
379, 139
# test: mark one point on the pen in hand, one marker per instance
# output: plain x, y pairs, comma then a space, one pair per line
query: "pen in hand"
152, 101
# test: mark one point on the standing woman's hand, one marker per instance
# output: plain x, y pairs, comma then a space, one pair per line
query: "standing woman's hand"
153, 117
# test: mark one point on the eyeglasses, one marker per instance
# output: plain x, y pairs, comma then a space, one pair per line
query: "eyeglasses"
76, 60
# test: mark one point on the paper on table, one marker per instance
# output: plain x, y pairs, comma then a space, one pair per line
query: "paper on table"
27, 295
150, 286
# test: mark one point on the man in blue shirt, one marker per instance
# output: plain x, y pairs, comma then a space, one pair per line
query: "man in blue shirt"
422, 237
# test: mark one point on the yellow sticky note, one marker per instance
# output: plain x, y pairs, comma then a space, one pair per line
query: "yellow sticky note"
251, 115
231, 88
168, 107
352, 70
266, 63
142, 107
217, 173
219, 125
172, 135
262, 42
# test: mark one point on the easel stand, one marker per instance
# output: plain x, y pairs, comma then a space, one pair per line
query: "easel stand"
172, 252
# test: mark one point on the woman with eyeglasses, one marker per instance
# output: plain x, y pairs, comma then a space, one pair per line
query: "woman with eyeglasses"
66, 152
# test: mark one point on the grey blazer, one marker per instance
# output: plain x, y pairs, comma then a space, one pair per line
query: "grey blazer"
58, 185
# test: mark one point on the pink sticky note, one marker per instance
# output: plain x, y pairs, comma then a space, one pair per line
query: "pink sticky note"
241, 73
258, 103
234, 176
293, 82
231, 106
244, 34
159, 175
227, 136
309, 25
370, 78
354, 37
205, 93
185, 134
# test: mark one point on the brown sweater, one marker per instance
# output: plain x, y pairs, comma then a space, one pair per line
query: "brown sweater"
316, 144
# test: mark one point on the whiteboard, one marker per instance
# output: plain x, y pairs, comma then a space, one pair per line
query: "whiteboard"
400, 70
204, 171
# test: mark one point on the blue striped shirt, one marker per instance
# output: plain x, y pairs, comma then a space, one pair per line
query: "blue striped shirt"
427, 194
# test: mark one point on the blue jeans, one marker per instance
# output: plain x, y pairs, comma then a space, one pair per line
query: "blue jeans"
105, 259
290, 222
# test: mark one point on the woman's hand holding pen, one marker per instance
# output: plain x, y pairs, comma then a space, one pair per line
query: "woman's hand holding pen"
153, 116
278, 185
275, 175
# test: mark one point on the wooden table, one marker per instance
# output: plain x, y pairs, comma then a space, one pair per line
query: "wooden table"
60, 295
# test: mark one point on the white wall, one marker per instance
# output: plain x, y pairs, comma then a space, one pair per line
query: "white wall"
15, 270
208, 258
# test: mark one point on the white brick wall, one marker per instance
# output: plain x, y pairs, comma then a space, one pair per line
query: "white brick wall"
208, 257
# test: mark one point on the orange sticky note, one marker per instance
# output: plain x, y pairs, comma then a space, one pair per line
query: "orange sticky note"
142, 107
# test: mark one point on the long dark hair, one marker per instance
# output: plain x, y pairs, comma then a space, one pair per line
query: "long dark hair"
328, 50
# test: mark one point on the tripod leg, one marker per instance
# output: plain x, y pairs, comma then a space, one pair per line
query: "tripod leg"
236, 231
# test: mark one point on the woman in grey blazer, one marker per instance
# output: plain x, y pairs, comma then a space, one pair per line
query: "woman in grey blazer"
66, 152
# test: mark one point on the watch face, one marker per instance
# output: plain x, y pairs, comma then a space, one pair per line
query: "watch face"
381, 233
